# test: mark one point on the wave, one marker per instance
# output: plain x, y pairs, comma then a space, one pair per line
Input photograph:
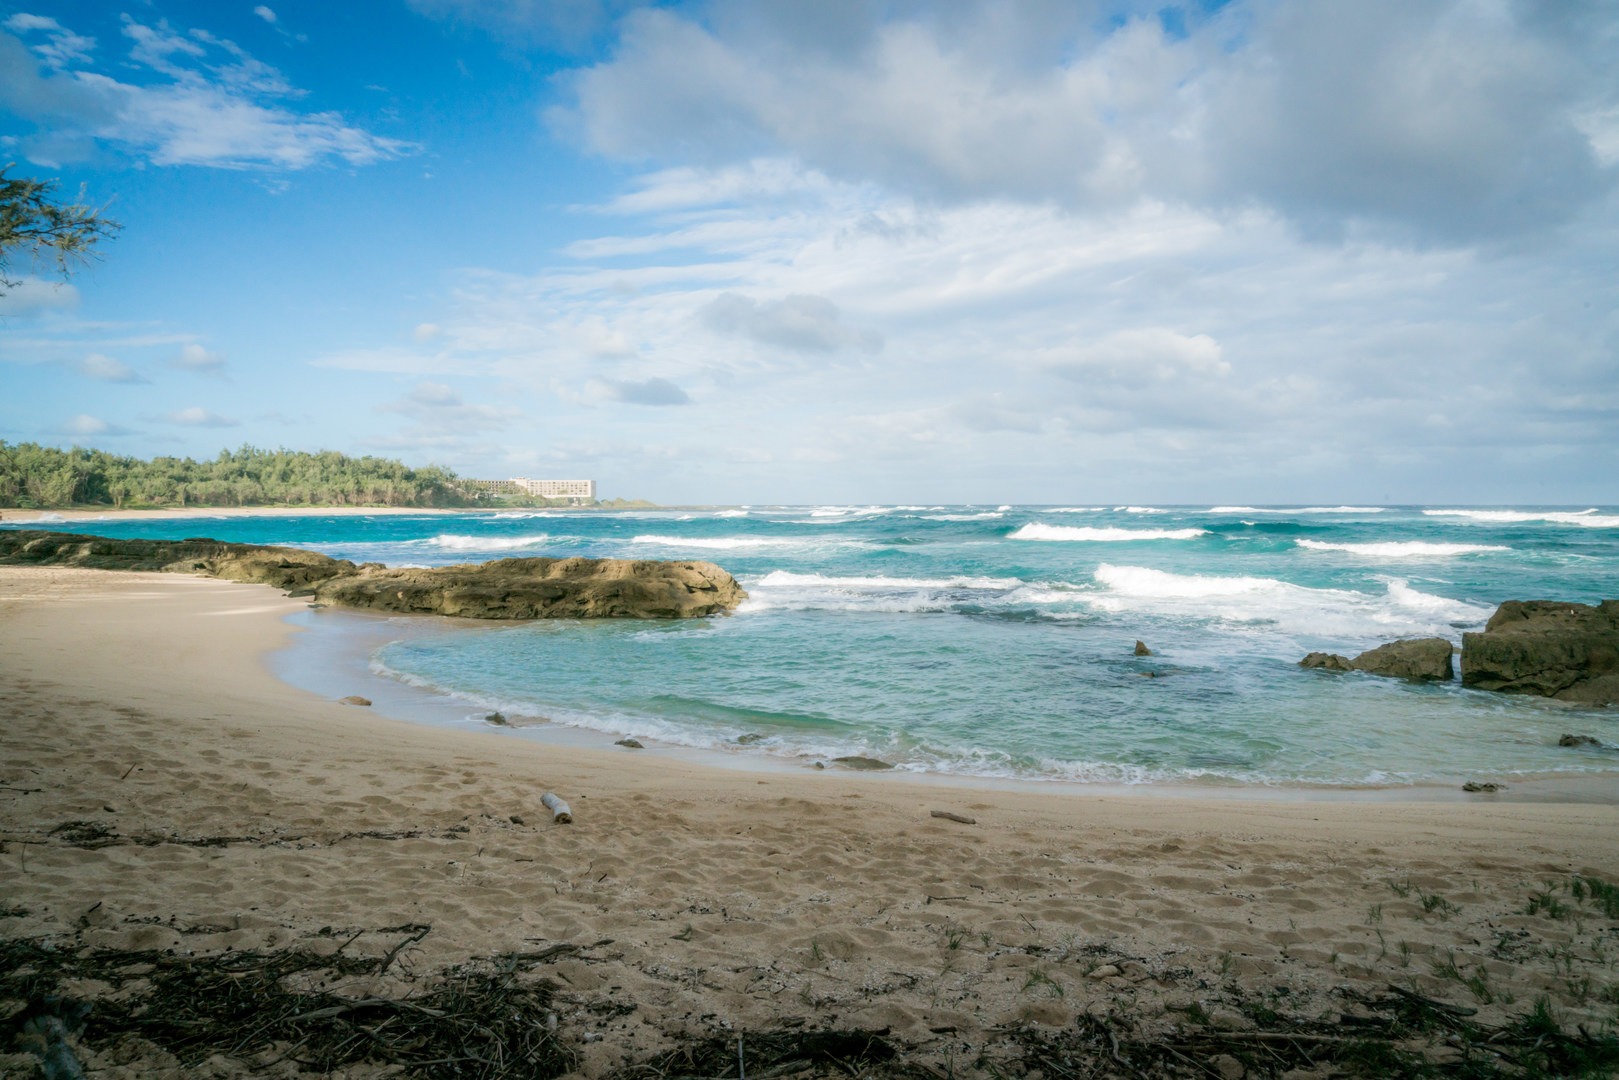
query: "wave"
1402, 549
1297, 510
457, 542
1587, 519
1073, 510
1295, 609
1140, 510
847, 511
987, 515
732, 513
1037, 531
716, 543
511, 515
778, 578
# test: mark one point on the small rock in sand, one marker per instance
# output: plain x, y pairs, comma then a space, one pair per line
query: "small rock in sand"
855, 761
495, 718
1475, 786
633, 744
1578, 740
749, 739
356, 699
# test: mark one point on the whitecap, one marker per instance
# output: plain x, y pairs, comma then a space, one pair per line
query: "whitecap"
1140, 510
1586, 519
987, 515
1036, 531
717, 543
1294, 609
456, 542
1297, 510
1402, 549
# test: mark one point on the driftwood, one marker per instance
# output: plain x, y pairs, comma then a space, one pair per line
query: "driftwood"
559, 809
948, 816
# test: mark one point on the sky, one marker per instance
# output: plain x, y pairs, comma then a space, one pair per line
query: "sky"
751, 251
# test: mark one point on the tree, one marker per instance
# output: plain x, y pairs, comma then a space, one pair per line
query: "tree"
34, 222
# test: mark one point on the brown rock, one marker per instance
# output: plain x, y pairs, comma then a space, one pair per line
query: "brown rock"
633, 744
1142, 650
1415, 658
1579, 740
1565, 651
1328, 661
355, 699
864, 763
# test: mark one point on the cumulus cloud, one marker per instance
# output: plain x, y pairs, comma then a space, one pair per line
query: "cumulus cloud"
647, 392
34, 296
805, 323
191, 99
195, 358
196, 416
1445, 122
266, 14
437, 407
106, 369
1138, 356
84, 426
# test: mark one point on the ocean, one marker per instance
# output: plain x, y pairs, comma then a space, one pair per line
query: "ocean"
998, 641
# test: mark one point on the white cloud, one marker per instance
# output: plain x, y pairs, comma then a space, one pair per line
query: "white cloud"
196, 416
196, 99
33, 296
61, 47
654, 392
1446, 122
426, 331
84, 426
266, 14
194, 357
107, 369
805, 323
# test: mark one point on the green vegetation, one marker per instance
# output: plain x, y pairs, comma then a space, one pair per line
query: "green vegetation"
42, 477
34, 223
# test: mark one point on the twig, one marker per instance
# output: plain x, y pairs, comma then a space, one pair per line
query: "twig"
741, 1073
948, 816
1441, 1006
386, 960
932, 898
21, 790
127, 772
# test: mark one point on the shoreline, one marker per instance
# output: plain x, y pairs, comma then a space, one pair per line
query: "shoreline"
161, 788
332, 659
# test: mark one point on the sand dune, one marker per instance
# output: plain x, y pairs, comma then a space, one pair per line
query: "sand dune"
160, 790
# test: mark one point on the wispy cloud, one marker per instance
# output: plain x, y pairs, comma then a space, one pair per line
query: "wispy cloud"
106, 368
198, 417
189, 98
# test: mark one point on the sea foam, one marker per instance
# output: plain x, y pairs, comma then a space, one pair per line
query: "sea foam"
1402, 549
1585, 519
1036, 531
457, 542
715, 543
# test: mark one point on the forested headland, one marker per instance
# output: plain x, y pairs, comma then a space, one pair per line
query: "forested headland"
43, 477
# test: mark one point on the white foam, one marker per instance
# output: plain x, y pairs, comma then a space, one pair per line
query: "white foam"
1141, 510
1587, 519
455, 542
732, 514
1036, 531
1074, 510
510, 515
847, 511
779, 578
1293, 609
987, 515
1402, 549
716, 543
1297, 510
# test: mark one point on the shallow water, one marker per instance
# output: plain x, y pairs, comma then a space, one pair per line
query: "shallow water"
997, 641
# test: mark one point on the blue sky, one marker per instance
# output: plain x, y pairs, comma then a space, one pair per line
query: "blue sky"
748, 251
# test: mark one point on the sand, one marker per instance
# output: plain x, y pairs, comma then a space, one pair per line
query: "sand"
209, 807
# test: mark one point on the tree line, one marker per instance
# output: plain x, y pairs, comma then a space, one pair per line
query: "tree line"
43, 477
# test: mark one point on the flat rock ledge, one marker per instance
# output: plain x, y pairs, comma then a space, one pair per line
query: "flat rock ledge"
1549, 648
571, 588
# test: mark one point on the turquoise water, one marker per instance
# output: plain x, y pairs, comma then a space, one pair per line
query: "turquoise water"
997, 641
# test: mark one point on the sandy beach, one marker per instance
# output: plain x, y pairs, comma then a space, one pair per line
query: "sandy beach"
162, 794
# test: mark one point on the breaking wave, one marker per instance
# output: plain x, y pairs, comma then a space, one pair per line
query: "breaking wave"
1402, 549
1036, 531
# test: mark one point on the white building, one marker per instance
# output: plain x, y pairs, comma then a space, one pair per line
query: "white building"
540, 489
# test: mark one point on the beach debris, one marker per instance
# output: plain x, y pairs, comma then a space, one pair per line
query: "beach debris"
855, 761
1141, 648
495, 718
1578, 740
355, 699
1477, 786
633, 744
516, 819
560, 811
948, 816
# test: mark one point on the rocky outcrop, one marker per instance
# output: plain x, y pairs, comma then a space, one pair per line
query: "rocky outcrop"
1559, 650
503, 589
1413, 658
285, 568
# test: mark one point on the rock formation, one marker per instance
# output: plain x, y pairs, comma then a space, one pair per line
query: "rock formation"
1414, 658
503, 589
1559, 650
